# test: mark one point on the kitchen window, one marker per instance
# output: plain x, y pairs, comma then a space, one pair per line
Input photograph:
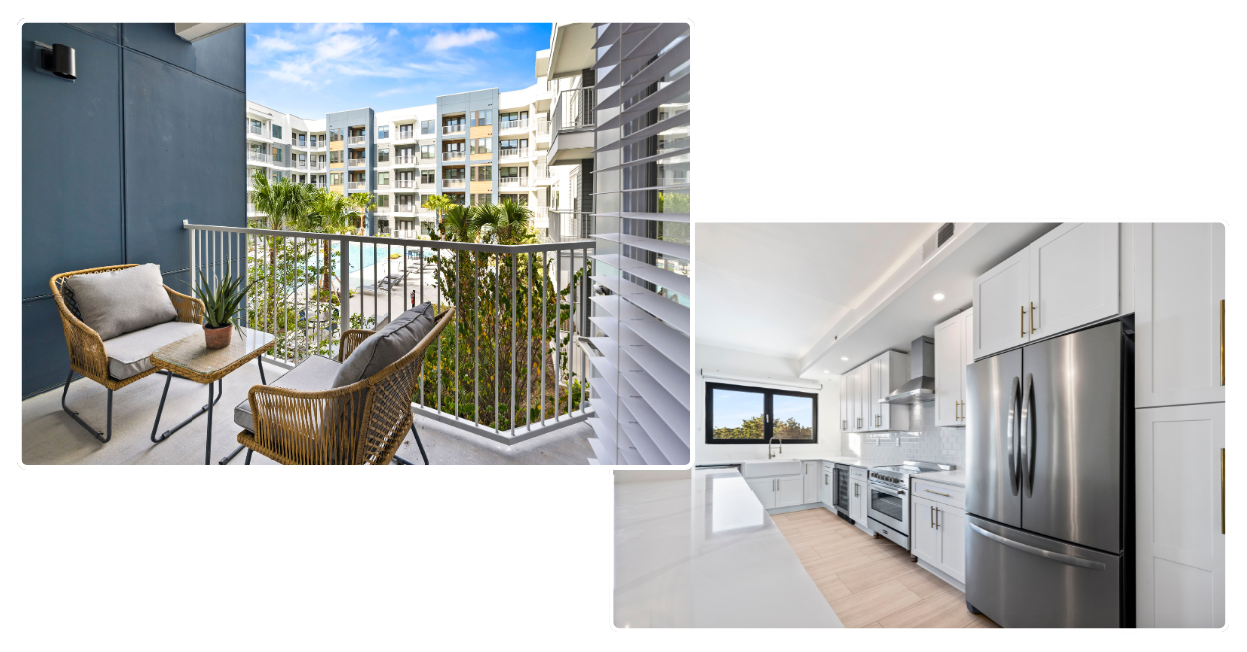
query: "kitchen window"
736, 414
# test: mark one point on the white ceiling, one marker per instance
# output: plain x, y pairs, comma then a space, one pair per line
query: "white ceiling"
777, 289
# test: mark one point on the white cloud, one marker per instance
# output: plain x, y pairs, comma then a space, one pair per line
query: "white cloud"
392, 33
392, 91
274, 44
447, 40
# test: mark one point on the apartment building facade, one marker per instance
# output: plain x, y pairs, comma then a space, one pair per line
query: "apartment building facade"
476, 147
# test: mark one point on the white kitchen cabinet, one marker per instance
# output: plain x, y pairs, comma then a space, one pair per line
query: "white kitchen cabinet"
1069, 277
1000, 298
826, 492
1074, 277
937, 536
862, 383
1180, 517
790, 491
855, 504
1179, 295
953, 341
844, 403
863, 503
811, 480
887, 372
764, 489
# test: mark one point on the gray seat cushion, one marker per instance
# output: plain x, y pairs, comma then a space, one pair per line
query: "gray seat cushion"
124, 301
387, 345
315, 374
130, 354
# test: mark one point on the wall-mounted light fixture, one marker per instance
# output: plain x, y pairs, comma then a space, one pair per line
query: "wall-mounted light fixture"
56, 60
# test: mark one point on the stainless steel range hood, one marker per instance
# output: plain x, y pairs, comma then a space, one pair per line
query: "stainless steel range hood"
920, 388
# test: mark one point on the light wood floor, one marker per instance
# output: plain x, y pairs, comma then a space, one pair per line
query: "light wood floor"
871, 582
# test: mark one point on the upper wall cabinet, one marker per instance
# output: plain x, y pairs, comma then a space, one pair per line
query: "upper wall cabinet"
1065, 279
954, 340
861, 389
1179, 319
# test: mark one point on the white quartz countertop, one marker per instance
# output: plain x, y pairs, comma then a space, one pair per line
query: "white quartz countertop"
955, 478
851, 461
702, 552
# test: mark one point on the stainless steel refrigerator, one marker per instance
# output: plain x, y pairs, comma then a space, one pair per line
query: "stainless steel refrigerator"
1049, 486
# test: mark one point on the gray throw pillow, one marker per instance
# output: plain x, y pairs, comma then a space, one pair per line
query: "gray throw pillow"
124, 301
380, 350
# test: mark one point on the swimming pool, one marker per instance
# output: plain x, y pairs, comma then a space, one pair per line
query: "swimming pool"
369, 254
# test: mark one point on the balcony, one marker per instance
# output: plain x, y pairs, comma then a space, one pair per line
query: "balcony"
543, 128
404, 183
513, 152
513, 182
404, 210
317, 184
404, 136
356, 162
403, 161
301, 165
320, 144
255, 131
511, 125
316, 165
257, 157
454, 156
356, 186
569, 226
449, 130
454, 183
356, 140
385, 275
573, 122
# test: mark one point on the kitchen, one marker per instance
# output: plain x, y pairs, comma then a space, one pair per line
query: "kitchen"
923, 433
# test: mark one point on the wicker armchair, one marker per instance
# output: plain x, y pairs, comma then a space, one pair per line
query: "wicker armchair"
361, 423
86, 349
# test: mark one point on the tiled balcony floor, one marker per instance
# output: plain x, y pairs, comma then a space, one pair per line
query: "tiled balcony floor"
49, 436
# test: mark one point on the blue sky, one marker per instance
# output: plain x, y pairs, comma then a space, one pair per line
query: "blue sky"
311, 69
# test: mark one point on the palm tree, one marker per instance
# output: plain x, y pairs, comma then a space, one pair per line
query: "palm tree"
331, 213
461, 224
438, 203
282, 202
508, 222
361, 202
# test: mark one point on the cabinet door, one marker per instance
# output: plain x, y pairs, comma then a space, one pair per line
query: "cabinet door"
858, 401
1074, 277
863, 502
764, 489
810, 483
949, 371
855, 505
951, 522
850, 381
790, 491
1000, 298
844, 403
1180, 287
1180, 526
824, 489
967, 357
868, 412
924, 541
877, 382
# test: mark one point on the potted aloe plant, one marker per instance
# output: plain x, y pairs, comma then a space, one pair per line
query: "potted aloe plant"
220, 306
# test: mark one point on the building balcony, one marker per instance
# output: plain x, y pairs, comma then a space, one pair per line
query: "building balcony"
454, 183
356, 140
403, 161
453, 129
405, 210
257, 157
512, 125
316, 165
543, 128
404, 136
513, 152
302, 165
513, 182
404, 183
255, 131
571, 134
356, 186
454, 156
317, 184
356, 162
319, 145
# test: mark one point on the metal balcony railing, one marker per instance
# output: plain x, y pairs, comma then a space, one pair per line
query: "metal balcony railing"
534, 379
405, 135
300, 164
355, 185
405, 209
454, 156
316, 165
259, 131
356, 140
404, 183
259, 157
507, 125
317, 145
512, 152
356, 162
513, 182
454, 183
543, 127
574, 109
403, 160
453, 129
570, 225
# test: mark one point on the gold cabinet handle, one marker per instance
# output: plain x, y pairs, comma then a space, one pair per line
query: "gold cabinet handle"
1032, 318
957, 411
1223, 345
937, 493
932, 508
937, 517
1022, 321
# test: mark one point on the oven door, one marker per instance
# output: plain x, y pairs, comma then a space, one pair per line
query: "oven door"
890, 507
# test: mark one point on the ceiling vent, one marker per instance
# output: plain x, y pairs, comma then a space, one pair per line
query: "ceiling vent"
939, 239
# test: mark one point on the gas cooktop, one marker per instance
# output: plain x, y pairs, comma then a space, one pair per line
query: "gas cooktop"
897, 474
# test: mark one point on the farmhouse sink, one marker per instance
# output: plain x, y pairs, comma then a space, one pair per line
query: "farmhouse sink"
765, 468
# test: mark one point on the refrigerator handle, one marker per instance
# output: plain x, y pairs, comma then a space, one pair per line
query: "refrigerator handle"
1028, 436
1011, 444
1069, 560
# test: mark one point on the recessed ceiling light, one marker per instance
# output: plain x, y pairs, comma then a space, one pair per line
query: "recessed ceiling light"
938, 297
844, 359
826, 371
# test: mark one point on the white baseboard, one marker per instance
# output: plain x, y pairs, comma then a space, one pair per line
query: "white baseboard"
801, 508
942, 575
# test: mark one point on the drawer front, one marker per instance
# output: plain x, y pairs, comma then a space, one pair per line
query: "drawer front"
857, 473
940, 493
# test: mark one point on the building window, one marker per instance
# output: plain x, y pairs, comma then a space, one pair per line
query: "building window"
482, 145
277, 155
256, 127
426, 151
482, 173
736, 414
482, 118
453, 173
383, 178
426, 127
335, 156
383, 201
426, 176
335, 179
512, 116
335, 134
383, 155
383, 132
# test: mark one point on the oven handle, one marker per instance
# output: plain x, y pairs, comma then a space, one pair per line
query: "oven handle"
888, 490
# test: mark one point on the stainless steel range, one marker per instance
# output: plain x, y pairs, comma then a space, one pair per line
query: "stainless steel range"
888, 509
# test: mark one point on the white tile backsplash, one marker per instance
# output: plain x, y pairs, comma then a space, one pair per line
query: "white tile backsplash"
924, 442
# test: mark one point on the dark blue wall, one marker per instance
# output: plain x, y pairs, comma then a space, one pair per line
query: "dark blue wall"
150, 134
